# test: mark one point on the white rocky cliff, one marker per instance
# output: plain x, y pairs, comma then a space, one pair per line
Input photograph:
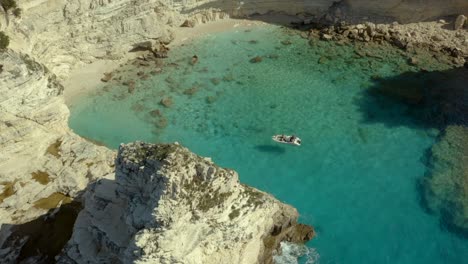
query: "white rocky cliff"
39, 155
43, 164
168, 205
67, 34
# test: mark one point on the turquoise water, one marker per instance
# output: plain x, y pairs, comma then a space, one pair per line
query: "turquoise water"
355, 176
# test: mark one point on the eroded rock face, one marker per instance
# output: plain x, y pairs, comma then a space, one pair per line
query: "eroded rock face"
84, 31
168, 205
87, 30
40, 158
42, 163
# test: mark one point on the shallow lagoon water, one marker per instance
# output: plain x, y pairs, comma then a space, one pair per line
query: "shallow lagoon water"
355, 176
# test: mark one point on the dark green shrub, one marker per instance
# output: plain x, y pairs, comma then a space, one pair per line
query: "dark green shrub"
4, 41
17, 12
8, 4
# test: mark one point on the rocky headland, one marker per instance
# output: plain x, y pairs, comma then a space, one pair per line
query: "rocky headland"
168, 205
44, 165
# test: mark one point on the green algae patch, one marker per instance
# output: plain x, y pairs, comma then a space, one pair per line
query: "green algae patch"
8, 190
52, 201
54, 148
41, 177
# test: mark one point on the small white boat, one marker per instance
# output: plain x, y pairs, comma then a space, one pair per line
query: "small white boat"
291, 140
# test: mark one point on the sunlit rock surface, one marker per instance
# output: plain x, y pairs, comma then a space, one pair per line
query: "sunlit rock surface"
168, 205
39, 155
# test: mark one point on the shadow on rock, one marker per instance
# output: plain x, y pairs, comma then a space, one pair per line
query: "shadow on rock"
418, 99
39, 240
270, 149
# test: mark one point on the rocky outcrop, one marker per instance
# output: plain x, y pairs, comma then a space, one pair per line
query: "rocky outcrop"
429, 37
168, 205
83, 31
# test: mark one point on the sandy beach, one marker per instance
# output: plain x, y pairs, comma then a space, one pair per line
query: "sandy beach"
85, 79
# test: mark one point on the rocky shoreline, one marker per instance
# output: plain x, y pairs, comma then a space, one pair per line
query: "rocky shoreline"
427, 37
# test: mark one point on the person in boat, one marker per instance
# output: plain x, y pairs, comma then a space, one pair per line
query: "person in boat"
292, 138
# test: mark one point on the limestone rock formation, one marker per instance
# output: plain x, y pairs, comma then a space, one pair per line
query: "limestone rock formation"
84, 31
405, 11
460, 22
41, 158
88, 30
39, 155
168, 205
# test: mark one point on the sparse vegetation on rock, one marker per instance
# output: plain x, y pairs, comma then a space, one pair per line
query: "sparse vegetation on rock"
4, 41
17, 12
8, 4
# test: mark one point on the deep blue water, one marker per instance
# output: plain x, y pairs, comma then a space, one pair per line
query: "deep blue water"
355, 176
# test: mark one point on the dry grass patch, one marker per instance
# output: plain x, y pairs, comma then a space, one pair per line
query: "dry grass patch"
8, 190
54, 149
41, 177
52, 201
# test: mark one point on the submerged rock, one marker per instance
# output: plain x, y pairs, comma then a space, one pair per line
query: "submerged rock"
256, 59
413, 61
210, 99
191, 91
194, 60
228, 78
166, 102
446, 188
107, 77
155, 113
168, 205
215, 81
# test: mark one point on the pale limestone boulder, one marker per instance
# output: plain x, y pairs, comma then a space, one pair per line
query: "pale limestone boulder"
460, 22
